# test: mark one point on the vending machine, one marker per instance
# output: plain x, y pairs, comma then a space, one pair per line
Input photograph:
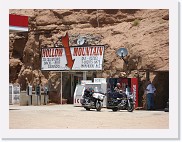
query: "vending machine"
14, 94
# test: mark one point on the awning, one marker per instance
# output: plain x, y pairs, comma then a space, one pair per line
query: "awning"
18, 23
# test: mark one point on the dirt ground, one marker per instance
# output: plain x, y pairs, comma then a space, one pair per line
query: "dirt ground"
70, 117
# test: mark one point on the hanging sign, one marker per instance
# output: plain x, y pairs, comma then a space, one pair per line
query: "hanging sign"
72, 58
99, 80
79, 58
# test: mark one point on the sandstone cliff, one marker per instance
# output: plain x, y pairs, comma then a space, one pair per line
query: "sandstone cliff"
145, 33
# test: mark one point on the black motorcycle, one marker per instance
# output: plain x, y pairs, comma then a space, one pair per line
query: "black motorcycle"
92, 99
121, 101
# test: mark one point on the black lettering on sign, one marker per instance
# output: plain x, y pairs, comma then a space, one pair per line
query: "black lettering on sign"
45, 63
83, 58
53, 66
87, 65
95, 62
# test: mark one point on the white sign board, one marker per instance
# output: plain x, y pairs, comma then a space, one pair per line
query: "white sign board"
99, 80
30, 90
77, 58
86, 81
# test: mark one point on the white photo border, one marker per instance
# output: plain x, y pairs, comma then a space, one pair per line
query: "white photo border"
171, 133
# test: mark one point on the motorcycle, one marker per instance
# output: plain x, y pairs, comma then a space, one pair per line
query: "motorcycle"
92, 99
121, 101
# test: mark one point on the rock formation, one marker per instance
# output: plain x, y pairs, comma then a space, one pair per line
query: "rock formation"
145, 34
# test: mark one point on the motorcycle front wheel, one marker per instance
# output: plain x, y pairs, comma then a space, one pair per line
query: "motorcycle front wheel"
131, 107
98, 105
115, 109
88, 109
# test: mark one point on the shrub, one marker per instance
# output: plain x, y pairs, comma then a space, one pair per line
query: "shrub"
136, 22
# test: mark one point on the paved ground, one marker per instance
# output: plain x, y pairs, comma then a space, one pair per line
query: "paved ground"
70, 117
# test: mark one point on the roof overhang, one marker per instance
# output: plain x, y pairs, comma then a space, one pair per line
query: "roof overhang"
18, 23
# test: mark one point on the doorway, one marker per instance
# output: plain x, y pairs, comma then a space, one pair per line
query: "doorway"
77, 77
161, 82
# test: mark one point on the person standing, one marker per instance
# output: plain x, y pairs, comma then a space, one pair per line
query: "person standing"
150, 95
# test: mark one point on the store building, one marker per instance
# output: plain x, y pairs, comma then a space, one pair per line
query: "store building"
113, 36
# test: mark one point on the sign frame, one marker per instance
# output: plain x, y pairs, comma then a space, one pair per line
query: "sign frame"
71, 54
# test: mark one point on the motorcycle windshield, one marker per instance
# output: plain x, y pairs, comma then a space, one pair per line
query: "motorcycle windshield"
128, 89
97, 90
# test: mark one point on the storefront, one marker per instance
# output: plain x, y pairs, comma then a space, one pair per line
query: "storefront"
65, 92
74, 63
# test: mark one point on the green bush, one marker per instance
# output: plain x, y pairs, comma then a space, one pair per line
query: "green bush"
136, 22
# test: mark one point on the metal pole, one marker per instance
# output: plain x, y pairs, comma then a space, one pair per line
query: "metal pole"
84, 75
71, 85
61, 88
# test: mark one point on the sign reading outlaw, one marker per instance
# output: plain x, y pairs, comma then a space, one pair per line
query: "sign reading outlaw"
72, 58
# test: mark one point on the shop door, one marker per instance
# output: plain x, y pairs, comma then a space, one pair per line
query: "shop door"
75, 79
